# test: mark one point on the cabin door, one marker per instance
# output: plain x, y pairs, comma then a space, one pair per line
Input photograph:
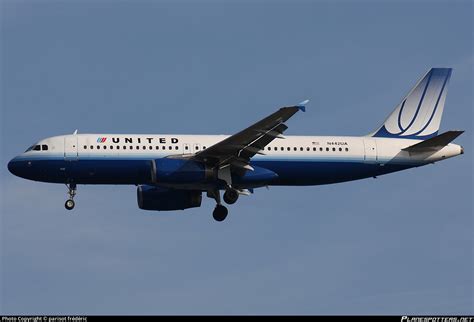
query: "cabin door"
70, 148
370, 150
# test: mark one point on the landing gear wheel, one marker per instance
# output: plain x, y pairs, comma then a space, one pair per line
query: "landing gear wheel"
69, 204
231, 196
220, 213
71, 193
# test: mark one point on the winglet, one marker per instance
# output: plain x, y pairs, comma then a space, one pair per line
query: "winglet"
302, 106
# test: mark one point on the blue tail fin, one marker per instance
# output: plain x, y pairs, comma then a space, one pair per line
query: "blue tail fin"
419, 114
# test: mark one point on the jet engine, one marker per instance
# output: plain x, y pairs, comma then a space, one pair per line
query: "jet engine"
156, 198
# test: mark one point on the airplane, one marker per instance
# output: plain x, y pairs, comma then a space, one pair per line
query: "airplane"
172, 172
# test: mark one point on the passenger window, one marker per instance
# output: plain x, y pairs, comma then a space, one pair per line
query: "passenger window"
334, 149
288, 148
150, 147
321, 149
269, 148
157, 147
314, 149
164, 147
275, 148
204, 147
301, 149
85, 147
282, 148
170, 147
111, 147
340, 149
118, 147
347, 149
138, 148
327, 149
44, 147
295, 148
92, 147
186, 147
307, 149
105, 147
98, 147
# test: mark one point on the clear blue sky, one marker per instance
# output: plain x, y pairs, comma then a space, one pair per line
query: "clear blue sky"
400, 244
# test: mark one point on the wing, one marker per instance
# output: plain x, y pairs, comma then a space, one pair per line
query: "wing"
237, 149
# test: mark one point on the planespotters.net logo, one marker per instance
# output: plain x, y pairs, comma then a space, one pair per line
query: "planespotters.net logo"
437, 319
44, 318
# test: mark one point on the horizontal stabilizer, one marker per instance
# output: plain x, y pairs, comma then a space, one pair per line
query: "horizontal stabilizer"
435, 143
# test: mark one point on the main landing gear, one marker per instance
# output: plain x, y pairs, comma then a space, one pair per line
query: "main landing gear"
220, 213
230, 197
71, 192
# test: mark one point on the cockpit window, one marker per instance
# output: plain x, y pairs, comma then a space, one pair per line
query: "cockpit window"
37, 147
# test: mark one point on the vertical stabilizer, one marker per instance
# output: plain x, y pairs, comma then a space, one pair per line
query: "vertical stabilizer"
419, 114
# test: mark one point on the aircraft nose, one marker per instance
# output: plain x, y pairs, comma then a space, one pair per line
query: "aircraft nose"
15, 167
23, 168
12, 166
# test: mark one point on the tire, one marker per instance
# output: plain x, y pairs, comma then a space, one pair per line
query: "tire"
220, 213
231, 196
69, 205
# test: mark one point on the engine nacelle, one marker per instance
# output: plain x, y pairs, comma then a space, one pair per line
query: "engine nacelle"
155, 198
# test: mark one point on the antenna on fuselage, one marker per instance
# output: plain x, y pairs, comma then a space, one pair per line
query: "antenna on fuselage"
75, 132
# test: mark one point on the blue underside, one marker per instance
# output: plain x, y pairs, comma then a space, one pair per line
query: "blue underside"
137, 171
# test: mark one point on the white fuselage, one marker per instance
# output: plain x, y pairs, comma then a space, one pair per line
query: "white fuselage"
337, 148
298, 160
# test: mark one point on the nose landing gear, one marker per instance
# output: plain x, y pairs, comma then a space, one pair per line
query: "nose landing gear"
69, 205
